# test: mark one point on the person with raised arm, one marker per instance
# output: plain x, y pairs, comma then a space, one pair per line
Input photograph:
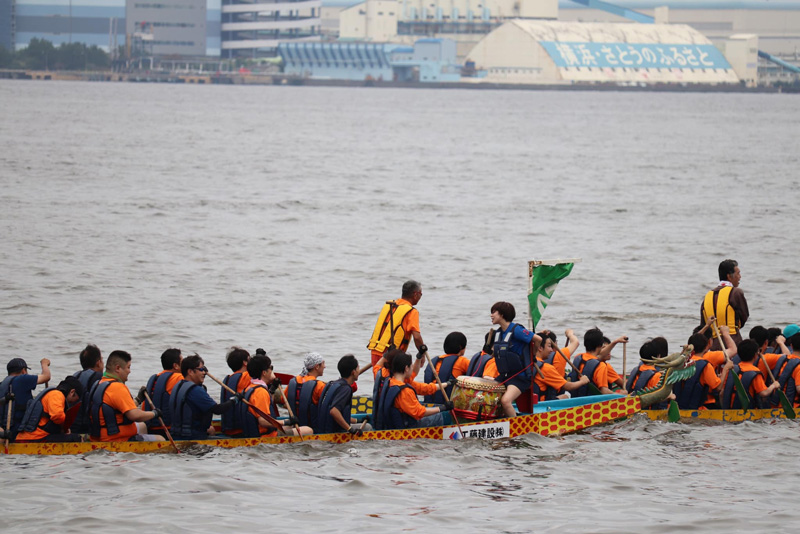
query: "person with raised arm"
549, 383
17, 388
589, 364
700, 390
751, 378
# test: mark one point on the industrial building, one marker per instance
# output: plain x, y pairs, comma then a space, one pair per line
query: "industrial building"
254, 28
551, 52
429, 60
174, 27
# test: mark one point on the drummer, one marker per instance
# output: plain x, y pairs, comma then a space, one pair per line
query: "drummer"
513, 345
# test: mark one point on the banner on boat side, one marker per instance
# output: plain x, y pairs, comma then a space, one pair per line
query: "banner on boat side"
635, 55
482, 431
543, 277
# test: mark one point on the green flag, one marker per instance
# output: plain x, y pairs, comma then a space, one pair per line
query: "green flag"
543, 277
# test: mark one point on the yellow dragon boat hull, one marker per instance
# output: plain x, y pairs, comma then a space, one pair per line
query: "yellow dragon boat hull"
557, 422
730, 416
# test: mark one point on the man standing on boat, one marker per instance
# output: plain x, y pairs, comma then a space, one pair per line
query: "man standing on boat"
726, 302
397, 323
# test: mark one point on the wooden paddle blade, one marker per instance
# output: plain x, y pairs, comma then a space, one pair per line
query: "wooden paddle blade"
744, 399
788, 409
674, 412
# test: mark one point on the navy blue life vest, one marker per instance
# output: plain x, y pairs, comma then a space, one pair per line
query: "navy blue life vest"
18, 410
157, 389
509, 363
325, 423
691, 394
638, 379
478, 363
96, 406
445, 373
730, 399
250, 426
588, 368
785, 377
302, 401
34, 413
377, 396
231, 420
392, 418
87, 378
186, 423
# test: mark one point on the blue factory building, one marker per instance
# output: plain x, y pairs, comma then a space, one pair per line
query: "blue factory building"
429, 60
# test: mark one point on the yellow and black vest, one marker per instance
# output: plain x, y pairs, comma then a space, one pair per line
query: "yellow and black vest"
721, 309
383, 335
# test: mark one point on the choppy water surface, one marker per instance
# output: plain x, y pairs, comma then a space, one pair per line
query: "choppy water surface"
146, 216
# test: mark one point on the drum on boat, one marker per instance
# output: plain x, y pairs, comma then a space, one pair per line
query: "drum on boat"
481, 396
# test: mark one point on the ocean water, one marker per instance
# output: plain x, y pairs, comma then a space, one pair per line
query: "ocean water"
141, 217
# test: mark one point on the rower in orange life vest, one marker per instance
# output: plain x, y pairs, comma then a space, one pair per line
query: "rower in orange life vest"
382, 374
159, 387
614, 379
549, 383
557, 360
787, 368
403, 317
726, 302
399, 405
644, 376
44, 419
113, 414
92, 370
512, 354
589, 364
450, 365
237, 359
259, 393
760, 335
305, 389
479, 360
751, 379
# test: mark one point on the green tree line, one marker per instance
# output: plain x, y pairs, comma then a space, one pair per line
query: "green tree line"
40, 54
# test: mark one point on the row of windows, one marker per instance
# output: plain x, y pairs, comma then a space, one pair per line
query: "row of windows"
167, 24
172, 43
163, 6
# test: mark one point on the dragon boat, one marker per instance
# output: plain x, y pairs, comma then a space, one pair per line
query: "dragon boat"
547, 418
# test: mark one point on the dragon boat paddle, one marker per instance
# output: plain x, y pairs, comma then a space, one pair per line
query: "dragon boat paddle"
271, 420
593, 388
160, 420
444, 393
788, 409
8, 420
744, 398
